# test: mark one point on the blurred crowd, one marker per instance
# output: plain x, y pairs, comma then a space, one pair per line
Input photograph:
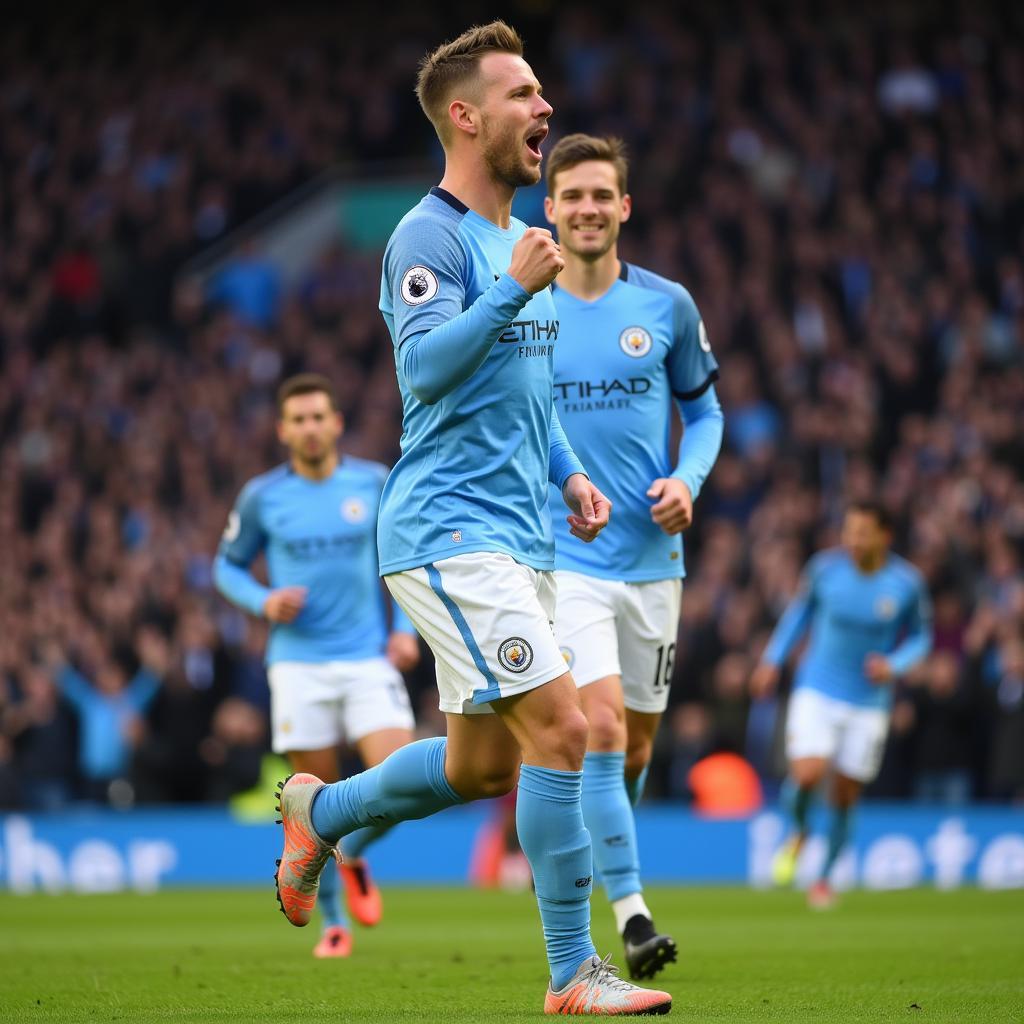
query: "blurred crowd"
841, 192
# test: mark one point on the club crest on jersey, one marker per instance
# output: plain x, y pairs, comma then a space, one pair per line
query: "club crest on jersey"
515, 654
567, 656
418, 285
353, 510
702, 337
885, 607
635, 342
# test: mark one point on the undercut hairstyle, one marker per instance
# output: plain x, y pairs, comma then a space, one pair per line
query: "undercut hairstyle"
305, 384
453, 64
578, 148
873, 508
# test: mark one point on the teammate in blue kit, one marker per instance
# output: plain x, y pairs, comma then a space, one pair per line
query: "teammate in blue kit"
630, 345
869, 619
465, 535
334, 669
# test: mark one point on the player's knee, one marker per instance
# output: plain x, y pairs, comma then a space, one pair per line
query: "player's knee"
607, 730
567, 739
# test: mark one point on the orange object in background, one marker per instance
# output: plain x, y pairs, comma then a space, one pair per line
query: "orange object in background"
725, 786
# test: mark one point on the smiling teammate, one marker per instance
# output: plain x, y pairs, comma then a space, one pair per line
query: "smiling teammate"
869, 618
333, 667
465, 535
630, 344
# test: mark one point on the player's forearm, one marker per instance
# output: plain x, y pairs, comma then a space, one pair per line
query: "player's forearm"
790, 629
562, 460
437, 361
702, 440
239, 586
914, 648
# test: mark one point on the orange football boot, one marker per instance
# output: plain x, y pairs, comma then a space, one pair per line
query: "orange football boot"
362, 895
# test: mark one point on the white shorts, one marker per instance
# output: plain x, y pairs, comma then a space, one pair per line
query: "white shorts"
610, 628
852, 737
488, 620
316, 706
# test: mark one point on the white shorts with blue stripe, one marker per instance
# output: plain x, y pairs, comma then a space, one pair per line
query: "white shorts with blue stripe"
489, 622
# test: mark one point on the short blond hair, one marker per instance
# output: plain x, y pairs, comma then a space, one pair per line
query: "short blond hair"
454, 63
578, 148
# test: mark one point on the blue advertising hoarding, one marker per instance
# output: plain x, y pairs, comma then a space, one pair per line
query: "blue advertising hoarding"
894, 847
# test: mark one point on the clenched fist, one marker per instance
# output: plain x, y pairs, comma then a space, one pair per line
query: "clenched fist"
536, 260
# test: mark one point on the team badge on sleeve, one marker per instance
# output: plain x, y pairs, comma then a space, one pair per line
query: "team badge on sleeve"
702, 337
635, 342
515, 654
418, 285
234, 527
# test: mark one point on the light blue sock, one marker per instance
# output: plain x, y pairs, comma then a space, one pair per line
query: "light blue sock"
329, 900
609, 819
408, 784
549, 820
354, 843
838, 833
797, 803
635, 787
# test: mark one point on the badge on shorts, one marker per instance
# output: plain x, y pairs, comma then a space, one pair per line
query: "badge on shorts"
515, 654
570, 658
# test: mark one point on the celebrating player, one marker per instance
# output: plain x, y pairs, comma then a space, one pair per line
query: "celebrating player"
332, 666
465, 537
629, 344
870, 621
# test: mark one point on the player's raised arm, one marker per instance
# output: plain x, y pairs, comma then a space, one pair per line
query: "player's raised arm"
441, 344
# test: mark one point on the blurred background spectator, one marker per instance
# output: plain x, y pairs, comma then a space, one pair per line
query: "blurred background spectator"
839, 187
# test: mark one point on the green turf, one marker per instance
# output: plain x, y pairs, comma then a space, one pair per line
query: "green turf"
458, 955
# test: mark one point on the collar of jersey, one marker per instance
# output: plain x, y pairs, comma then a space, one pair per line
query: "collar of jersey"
458, 205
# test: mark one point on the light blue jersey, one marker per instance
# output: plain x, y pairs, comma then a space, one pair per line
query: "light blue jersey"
474, 355
852, 614
318, 534
620, 362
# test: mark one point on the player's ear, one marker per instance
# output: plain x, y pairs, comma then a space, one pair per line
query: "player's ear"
341, 423
280, 430
627, 207
465, 117
549, 209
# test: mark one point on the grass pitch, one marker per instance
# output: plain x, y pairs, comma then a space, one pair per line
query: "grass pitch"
460, 955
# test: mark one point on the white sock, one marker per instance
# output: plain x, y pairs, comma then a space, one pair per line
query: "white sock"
627, 907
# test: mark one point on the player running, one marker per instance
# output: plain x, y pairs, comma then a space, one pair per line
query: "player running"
630, 344
465, 535
869, 619
332, 665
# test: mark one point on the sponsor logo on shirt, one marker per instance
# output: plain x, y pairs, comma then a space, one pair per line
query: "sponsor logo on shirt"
635, 342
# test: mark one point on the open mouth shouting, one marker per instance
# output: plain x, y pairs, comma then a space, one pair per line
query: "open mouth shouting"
535, 139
